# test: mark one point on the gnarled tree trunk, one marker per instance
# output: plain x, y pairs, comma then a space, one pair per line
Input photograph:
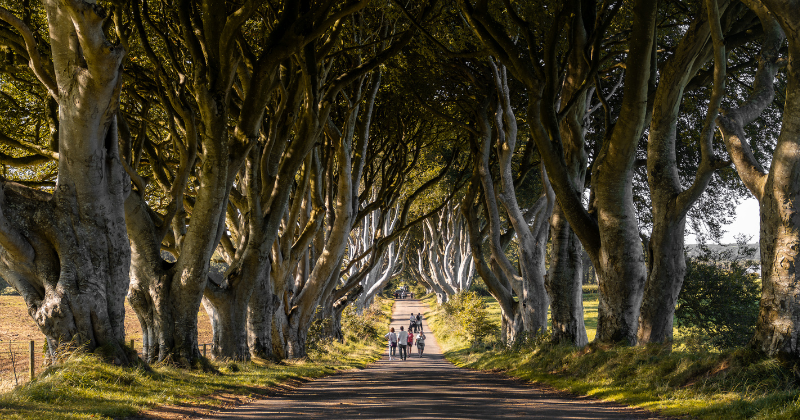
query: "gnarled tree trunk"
778, 327
68, 253
670, 201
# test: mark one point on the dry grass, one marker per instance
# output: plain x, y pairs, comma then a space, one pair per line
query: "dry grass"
17, 325
17, 329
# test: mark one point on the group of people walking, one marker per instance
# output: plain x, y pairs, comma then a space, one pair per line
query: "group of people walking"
403, 293
405, 339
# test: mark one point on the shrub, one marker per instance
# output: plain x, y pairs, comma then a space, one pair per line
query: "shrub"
355, 327
479, 287
719, 301
365, 326
319, 334
467, 312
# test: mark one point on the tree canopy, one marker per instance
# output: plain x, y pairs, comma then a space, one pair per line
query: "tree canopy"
314, 150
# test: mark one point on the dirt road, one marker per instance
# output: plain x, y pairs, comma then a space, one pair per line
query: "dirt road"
426, 388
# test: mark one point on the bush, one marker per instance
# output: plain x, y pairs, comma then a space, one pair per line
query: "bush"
355, 327
479, 287
318, 335
467, 312
365, 326
719, 301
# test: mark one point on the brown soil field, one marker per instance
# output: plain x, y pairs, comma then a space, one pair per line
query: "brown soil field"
17, 329
17, 325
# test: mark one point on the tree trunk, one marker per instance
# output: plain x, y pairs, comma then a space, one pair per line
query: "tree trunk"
295, 339
564, 281
617, 251
564, 277
778, 326
622, 277
670, 201
260, 312
228, 319
511, 326
149, 271
498, 285
68, 254
227, 304
666, 270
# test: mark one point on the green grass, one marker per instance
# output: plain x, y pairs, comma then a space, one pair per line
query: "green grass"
729, 385
84, 387
590, 302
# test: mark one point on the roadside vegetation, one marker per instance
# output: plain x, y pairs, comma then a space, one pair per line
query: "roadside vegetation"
85, 387
708, 372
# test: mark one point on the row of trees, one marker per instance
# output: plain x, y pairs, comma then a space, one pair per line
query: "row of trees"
186, 134
621, 102
316, 150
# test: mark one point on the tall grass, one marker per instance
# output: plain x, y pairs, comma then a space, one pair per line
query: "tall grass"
83, 387
730, 385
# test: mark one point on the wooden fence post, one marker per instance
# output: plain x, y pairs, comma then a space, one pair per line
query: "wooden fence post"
32, 360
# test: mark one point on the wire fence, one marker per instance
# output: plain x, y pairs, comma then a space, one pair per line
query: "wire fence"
20, 361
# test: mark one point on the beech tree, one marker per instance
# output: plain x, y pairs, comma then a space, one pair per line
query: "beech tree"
389, 266
197, 75
775, 190
608, 229
725, 23
444, 262
479, 105
66, 252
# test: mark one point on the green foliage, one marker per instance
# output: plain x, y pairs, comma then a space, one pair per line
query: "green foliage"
367, 326
479, 287
318, 335
590, 288
417, 288
718, 305
356, 329
6, 289
467, 313
698, 383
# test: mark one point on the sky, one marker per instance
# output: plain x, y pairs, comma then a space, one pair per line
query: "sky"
747, 222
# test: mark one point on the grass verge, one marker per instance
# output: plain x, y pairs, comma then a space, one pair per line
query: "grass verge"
730, 385
83, 387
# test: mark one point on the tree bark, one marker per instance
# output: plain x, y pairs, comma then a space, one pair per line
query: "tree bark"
564, 278
260, 312
68, 254
778, 326
532, 239
564, 283
670, 202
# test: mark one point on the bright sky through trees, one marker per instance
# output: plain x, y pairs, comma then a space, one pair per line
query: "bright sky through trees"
746, 222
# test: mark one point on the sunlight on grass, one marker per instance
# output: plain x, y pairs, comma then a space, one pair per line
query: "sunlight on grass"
726, 385
86, 388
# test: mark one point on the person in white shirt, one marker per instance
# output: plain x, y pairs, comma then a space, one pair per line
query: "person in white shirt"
421, 342
402, 338
392, 337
